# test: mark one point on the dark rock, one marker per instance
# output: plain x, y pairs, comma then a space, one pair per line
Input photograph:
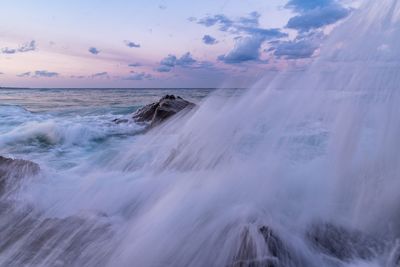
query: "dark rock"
41, 241
29, 238
118, 121
279, 254
344, 244
64, 242
162, 110
12, 171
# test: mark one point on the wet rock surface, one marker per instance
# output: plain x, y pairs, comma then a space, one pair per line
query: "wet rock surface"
29, 238
43, 241
344, 244
277, 254
335, 243
158, 112
12, 171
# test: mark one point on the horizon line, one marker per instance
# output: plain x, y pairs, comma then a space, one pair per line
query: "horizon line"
133, 88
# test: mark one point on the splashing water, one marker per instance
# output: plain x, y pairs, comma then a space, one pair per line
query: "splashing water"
255, 180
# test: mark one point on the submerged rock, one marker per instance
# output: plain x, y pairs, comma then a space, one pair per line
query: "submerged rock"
344, 244
158, 112
12, 171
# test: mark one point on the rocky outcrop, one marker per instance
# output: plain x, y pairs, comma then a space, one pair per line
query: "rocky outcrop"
71, 241
277, 254
338, 244
12, 171
158, 112
77, 240
344, 244
162, 110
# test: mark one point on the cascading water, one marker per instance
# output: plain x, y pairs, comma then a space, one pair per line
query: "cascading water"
301, 173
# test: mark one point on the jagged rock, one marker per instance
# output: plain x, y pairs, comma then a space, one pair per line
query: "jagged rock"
160, 111
12, 171
278, 254
344, 244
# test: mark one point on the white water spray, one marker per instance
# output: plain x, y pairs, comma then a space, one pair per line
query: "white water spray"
311, 147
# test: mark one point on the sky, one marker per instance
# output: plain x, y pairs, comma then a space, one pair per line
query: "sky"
160, 43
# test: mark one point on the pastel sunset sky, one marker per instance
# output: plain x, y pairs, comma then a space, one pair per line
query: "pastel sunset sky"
159, 43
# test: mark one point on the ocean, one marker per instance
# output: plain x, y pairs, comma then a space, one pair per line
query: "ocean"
62, 127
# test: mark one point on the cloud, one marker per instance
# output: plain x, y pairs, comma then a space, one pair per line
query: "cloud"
137, 64
94, 50
252, 36
305, 5
209, 40
164, 68
1, 73
318, 18
162, 7
25, 74
139, 76
30, 46
185, 60
131, 44
26, 47
7, 50
170, 61
39, 74
103, 74
45, 73
77, 77
296, 49
315, 14
248, 25
303, 46
246, 49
